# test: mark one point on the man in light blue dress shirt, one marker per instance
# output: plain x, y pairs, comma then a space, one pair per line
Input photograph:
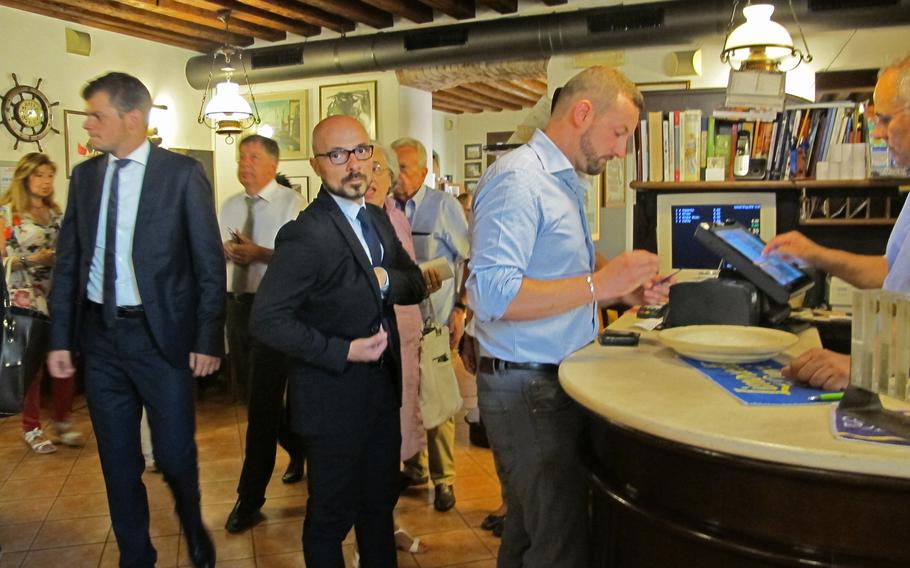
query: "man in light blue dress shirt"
826, 369
534, 287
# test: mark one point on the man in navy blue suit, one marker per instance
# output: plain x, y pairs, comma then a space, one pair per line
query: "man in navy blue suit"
139, 294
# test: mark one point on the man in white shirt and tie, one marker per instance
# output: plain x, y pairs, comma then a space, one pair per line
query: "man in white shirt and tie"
249, 223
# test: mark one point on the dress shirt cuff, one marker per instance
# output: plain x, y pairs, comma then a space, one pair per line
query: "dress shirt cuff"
492, 289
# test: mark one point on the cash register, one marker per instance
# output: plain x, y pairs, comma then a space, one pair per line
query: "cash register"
750, 289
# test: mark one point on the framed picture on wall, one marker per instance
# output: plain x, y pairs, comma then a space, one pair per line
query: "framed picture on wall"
301, 184
592, 205
284, 120
470, 186
473, 151
351, 99
614, 184
78, 147
472, 170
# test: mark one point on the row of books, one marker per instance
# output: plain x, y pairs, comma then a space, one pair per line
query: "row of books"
735, 144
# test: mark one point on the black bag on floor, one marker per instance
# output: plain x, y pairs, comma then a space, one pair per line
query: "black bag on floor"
25, 334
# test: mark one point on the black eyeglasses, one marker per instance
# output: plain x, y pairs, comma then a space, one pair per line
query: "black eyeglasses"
341, 156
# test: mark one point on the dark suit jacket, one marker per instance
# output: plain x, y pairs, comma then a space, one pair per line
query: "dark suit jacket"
177, 256
320, 293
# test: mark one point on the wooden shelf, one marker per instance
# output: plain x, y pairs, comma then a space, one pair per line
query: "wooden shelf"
767, 184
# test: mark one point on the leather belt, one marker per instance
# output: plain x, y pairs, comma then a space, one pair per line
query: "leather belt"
242, 297
492, 365
123, 312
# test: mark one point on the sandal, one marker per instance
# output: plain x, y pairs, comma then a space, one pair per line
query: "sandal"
414, 548
66, 435
38, 443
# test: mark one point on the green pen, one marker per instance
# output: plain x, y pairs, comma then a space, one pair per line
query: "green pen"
828, 396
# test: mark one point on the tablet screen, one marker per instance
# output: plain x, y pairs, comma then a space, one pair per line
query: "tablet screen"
751, 247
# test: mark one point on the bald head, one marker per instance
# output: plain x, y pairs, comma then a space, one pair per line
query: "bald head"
351, 179
892, 109
596, 112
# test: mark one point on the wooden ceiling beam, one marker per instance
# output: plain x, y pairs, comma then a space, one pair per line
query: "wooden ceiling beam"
442, 107
109, 8
355, 11
502, 6
533, 85
53, 10
495, 93
410, 9
201, 17
487, 98
257, 16
297, 11
515, 90
471, 100
458, 9
445, 98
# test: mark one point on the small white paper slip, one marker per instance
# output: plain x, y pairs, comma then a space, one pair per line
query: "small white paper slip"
440, 264
648, 324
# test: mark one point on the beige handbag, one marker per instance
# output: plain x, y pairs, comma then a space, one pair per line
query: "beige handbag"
440, 398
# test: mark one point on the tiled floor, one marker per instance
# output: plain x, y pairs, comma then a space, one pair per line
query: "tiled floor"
53, 509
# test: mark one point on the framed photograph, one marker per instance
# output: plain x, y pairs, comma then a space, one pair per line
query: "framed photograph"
351, 99
592, 205
664, 86
614, 184
473, 151
301, 184
284, 120
470, 186
472, 170
78, 148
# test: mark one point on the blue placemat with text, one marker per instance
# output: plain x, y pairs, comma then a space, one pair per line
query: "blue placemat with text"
755, 383
850, 428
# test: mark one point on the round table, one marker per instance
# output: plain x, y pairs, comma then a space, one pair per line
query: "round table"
686, 475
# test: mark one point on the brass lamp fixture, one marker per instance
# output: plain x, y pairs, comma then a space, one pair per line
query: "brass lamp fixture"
227, 112
761, 44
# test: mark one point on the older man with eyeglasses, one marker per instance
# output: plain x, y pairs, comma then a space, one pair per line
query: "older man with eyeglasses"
819, 367
327, 302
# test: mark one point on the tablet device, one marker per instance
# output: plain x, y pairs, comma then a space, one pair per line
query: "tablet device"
777, 278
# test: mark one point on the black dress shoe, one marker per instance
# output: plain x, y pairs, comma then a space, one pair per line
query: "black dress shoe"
294, 472
406, 480
201, 550
445, 497
242, 517
491, 521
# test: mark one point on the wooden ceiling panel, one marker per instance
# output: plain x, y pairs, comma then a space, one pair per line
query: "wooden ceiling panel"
458, 9
257, 16
353, 10
502, 6
297, 11
202, 17
410, 9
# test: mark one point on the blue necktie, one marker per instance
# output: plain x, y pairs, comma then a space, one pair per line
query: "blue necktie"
109, 310
369, 235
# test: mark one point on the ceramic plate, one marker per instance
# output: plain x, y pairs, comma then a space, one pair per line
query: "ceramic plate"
727, 343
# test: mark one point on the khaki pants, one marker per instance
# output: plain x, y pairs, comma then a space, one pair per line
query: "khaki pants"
441, 453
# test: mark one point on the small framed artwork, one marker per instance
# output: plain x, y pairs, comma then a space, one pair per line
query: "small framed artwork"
301, 184
76, 140
472, 170
592, 205
473, 151
614, 184
351, 99
284, 120
470, 186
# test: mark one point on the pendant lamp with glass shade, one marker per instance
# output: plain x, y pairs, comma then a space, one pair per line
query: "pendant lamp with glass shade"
760, 43
227, 112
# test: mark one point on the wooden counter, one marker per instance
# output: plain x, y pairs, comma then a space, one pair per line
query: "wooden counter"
686, 475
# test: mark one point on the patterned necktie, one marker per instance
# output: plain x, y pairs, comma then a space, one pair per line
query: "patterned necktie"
369, 235
109, 306
240, 280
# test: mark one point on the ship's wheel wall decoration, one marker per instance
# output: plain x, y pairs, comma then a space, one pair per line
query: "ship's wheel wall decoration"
26, 113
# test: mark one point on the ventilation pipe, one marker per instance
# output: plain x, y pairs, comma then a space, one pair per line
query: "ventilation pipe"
660, 23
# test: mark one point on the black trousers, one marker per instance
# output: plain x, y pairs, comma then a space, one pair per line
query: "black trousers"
267, 424
353, 481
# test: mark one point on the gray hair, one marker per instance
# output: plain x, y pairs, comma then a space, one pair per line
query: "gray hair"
408, 142
391, 158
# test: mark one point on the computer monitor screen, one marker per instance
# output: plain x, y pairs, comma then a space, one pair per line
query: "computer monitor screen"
678, 215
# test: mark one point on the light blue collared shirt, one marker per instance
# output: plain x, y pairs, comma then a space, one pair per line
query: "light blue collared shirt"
128, 192
350, 209
529, 221
898, 254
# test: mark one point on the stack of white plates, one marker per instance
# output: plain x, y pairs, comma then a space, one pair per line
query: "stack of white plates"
727, 343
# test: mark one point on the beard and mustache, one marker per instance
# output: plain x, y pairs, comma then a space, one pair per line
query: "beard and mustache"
348, 188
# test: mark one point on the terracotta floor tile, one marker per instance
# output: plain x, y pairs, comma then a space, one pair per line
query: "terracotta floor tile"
453, 547
163, 522
159, 495
72, 532
284, 560
227, 547
277, 488
220, 470
476, 486
491, 563
425, 520
56, 464
83, 483
25, 511
281, 509
240, 563
69, 557
218, 492
215, 515
277, 538
165, 546
15, 489
473, 511
18, 537
12, 559
76, 506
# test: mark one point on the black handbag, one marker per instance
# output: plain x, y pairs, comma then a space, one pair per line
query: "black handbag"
25, 335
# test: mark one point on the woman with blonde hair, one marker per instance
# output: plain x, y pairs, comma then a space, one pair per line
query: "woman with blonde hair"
29, 226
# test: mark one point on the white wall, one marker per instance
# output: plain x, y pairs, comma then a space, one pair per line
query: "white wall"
34, 47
